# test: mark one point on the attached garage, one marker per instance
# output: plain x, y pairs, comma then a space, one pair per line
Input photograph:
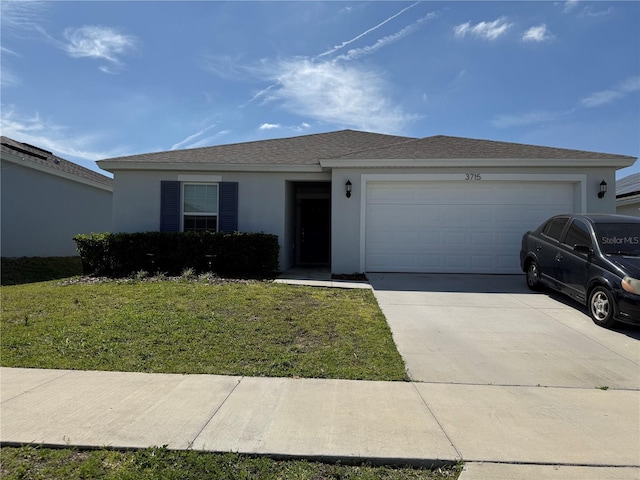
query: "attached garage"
457, 226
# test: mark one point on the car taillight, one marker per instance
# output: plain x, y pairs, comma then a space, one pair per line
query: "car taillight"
631, 285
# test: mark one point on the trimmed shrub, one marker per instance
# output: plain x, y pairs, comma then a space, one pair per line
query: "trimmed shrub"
227, 254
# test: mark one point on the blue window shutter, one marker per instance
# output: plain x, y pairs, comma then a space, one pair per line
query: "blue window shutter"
169, 206
228, 208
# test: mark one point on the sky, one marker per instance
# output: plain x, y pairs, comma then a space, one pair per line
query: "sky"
89, 80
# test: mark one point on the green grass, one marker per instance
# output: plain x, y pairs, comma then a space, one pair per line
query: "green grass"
162, 464
237, 328
16, 271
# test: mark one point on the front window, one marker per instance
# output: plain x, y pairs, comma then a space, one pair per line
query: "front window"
200, 207
619, 238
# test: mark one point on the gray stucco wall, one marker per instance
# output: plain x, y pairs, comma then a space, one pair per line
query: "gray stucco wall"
42, 212
264, 202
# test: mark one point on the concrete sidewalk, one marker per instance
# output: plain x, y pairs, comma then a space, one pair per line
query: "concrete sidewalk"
512, 432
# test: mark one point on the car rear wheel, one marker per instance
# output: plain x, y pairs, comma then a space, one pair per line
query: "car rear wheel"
533, 276
602, 307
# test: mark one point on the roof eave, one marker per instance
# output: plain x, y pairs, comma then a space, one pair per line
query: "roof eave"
628, 199
205, 167
618, 162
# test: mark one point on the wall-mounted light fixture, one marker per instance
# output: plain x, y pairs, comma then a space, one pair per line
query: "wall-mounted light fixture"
603, 189
347, 187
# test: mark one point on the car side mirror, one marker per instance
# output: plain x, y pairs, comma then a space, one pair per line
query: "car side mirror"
580, 248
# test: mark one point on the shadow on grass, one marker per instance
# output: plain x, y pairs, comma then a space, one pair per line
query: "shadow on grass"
17, 271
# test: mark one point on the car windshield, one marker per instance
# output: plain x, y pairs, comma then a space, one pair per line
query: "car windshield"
619, 238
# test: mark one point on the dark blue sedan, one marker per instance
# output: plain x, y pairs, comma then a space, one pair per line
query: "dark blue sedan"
594, 259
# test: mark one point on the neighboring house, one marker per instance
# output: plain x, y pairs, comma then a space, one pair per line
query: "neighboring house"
628, 195
366, 202
46, 200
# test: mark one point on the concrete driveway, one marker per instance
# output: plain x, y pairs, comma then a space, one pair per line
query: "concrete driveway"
491, 330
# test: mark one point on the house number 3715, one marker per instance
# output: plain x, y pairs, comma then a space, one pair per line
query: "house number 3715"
472, 177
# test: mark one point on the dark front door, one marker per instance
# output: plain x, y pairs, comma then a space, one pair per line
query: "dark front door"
314, 234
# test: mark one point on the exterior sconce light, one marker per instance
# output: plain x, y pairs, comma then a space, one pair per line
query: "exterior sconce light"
603, 189
347, 187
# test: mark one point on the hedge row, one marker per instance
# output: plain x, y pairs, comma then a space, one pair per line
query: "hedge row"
227, 254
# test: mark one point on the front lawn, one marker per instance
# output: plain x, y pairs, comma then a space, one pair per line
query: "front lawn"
250, 328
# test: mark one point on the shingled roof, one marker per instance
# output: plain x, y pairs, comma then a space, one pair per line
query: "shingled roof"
445, 147
628, 186
301, 150
309, 150
47, 161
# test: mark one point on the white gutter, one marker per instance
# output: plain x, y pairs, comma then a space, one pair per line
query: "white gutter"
476, 162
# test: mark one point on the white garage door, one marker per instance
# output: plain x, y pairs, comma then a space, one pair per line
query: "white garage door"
455, 226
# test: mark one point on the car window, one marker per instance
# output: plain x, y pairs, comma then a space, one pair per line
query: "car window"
619, 238
578, 234
554, 228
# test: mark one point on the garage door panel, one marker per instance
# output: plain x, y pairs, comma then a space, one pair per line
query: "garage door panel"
456, 226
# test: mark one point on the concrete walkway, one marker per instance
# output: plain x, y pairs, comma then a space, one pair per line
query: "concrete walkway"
500, 432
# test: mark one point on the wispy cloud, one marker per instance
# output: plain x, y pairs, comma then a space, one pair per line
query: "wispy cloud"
101, 43
569, 5
596, 99
50, 136
537, 34
18, 17
207, 141
6, 51
269, 126
590, 11
334, 93
521, 119
223, 66
9, 79
486, 30
384, 41
191, 139
366, 32
276, 126
605, 97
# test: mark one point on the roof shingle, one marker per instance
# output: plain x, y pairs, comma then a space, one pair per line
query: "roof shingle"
31, 154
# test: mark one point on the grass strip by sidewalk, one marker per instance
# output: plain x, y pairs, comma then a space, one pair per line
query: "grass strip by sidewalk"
247, 328
162, 464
